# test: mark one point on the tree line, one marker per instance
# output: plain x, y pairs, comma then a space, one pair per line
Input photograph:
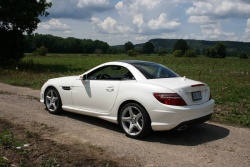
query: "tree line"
56, 44
41, 44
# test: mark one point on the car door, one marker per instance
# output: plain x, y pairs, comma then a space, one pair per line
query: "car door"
98, 92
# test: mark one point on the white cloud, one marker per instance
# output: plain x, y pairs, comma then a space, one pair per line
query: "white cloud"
149, 3
89, 3
213, 31
110, 25
171, 36
200, 19
138, 20
246, 36
141, 38
163, 23
220, 9
138, 4
54, 25
119, 5
212, 14
248, 26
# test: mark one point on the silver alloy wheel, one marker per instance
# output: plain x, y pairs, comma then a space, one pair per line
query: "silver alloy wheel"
52, 100
132, 120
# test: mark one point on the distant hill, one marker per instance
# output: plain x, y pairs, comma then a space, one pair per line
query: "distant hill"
198, 45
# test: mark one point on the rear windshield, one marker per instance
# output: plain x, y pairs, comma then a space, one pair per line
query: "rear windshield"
154, 70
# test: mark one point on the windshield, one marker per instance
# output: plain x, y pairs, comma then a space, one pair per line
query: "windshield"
153, 70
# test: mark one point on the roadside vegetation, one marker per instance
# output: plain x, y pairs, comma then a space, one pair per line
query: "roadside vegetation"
228, 78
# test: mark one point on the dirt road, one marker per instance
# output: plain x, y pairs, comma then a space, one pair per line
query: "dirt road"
206, 145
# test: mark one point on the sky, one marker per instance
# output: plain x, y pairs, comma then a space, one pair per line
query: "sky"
119, 21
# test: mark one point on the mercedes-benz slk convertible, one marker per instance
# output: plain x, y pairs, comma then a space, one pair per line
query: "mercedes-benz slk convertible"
141, 96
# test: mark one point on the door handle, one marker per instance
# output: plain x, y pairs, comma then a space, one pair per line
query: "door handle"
110, 89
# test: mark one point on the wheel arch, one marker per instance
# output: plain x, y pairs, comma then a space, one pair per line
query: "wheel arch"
46, 89
127, 102
57, 103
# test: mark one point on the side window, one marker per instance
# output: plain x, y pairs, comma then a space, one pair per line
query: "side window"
111, 72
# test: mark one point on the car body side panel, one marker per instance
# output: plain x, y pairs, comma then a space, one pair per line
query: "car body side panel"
163, 117
95, 95
136, 91
63, 86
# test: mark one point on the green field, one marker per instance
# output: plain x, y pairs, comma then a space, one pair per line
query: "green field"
229, 79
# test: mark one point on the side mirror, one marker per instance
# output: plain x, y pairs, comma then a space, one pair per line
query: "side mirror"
84, 77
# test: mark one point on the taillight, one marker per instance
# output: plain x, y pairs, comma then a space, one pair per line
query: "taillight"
170, 99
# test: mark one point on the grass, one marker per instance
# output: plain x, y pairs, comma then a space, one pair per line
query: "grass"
7, 139
229, 79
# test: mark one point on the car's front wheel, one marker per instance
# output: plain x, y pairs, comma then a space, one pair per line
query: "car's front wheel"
53, 101
135, 120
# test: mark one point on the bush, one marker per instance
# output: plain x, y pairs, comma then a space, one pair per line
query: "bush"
132, 53
190, 53
42, 51
178, 53
243, 56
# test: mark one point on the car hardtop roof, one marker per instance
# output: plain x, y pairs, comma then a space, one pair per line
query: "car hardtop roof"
136, 61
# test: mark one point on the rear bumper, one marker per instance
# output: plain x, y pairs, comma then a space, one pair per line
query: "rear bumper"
193, 122
173, 117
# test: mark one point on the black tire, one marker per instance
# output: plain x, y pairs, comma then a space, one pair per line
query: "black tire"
53, 101
135, 121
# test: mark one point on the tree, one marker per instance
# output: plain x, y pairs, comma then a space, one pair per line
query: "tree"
181, 44
11, 47
148, 48
18, 17
22, 15
218, 50
128, 46
64, 45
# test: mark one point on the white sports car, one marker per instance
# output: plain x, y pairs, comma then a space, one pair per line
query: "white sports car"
141, 96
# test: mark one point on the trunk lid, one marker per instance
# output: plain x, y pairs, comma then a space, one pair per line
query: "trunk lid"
193, 92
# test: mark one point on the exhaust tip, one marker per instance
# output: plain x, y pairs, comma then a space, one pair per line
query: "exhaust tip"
183, 127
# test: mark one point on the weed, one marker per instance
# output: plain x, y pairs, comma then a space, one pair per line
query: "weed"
4, 162
7, 139
50, 163
30, 134
5, 93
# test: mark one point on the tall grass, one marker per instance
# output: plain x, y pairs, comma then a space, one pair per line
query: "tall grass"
229, 79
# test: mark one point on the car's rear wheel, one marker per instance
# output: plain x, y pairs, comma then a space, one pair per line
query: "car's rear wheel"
135, 120
53, 101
